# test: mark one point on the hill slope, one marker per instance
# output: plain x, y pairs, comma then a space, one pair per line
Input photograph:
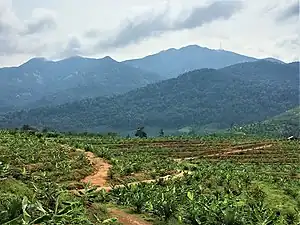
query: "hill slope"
244, 93
172, 62
285, 124
71, 79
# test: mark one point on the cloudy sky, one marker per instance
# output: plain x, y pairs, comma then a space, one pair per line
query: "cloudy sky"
127, 29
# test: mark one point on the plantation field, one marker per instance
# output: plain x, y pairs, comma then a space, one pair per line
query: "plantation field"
33, 177
170, 180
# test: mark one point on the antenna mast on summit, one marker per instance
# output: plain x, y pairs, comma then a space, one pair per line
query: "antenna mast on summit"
221, 45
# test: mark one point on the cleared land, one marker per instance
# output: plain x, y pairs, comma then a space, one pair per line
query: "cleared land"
205, 180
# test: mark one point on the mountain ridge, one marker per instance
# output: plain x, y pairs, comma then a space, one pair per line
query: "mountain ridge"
38, 78
251, 92
41, 82
191, 57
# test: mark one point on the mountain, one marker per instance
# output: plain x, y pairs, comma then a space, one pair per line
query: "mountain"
274, 60
265, 71
71, 79
285, 124
172, 62
239, 94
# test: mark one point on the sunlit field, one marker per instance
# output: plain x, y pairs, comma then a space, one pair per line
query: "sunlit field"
166, 180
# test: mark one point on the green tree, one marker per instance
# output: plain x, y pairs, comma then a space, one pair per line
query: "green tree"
161, 133
140, 133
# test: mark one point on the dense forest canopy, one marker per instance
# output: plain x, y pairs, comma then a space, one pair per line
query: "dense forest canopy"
239, 94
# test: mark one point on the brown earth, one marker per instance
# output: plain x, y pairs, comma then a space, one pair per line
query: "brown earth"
99, 178
240, 150
228, 152
101, 168
127, 219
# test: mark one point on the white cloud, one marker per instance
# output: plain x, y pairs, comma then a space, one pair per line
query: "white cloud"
135, 28
153, 24
14, 31
71, 48
291, 11
42, 20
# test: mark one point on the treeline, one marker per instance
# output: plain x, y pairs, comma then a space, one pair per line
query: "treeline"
48, 132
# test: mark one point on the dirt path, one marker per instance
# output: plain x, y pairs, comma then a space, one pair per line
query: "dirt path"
240, 150
101, 168
228, 152
109, 188
99, 178
127, 219
181, 174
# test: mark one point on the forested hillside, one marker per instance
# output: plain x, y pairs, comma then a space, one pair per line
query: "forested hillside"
40, 82
239, 94
283, 125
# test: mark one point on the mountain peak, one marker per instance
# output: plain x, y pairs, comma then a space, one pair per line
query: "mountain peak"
191, 47
188, 47
274, 60
72, 58
108, 58
201, 97
172, 62
76, 57
35, 61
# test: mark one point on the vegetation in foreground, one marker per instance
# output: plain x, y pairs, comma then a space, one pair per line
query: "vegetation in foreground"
226, 180
33, 174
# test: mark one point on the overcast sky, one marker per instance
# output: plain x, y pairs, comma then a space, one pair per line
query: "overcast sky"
127, 29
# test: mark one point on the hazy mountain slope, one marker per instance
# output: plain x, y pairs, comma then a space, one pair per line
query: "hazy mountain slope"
69, 79
201, 97
265, 71
274, 60
76, 94
285, 124
172, 62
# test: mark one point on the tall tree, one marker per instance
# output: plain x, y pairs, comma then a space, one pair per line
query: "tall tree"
140, 133
161, 133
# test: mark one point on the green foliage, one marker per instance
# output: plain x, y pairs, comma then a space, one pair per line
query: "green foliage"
239, 94
32, 170
254, 187
161, 133
283, 125
141, 133
215, 179
214, 194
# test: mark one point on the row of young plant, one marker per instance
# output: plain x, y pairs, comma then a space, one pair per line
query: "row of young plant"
154, 162
30, 163
281, 152
127, 163
215, 194
33, 178
216, 139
